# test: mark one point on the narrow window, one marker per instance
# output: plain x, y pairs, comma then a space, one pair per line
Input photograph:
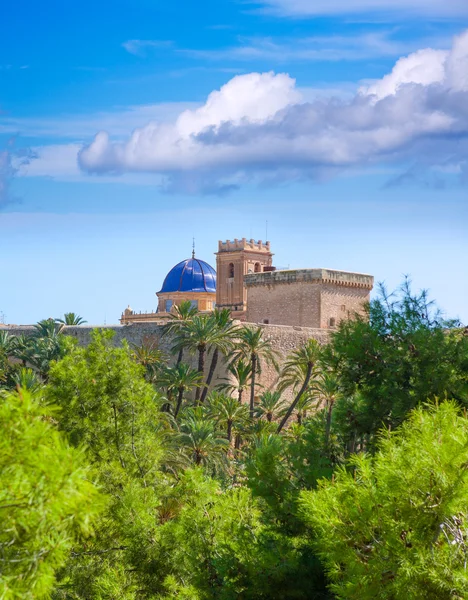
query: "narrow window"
258, 268
169, 304
332, 322
266, 321
343, 308
231, 270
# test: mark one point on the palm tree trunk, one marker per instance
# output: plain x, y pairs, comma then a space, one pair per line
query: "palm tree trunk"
214, 362
201, 368
297, 398
252, 385
179, 402
241, 391
328, 424
229, 431
179, 357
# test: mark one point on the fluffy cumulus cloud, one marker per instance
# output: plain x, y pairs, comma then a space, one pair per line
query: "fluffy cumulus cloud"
258, 127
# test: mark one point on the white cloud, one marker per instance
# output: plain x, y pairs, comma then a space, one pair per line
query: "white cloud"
247, 99
423, 67
254, 98
258, 127
304, 8
60, 162
56, 161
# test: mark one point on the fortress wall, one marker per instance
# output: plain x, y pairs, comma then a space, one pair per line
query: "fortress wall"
341, 303
286, 304
306, 297
284, 340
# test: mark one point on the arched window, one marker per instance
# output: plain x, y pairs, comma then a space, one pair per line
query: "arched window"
258, 268
332, 322
231, 270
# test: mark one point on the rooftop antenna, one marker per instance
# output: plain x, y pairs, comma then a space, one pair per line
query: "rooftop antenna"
193, 248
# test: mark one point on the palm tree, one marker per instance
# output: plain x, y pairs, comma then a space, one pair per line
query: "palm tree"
200, 441
198, 335
149, 355
26, 379
327, 389
41, 352
180, 315
177, 380
305, 403
7, 344
223, 344
44, 346
241, 372
297, 373
270, 406
254, 348
21, 349
227, 411
71, 319
48, 328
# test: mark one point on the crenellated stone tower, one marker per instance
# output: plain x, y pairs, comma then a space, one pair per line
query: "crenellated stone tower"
234, 260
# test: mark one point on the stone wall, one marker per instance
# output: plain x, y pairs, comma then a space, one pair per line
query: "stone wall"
283, 339
315, 298
340, 303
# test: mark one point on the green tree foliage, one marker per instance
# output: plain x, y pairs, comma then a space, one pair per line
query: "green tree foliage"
178, 381
254, 348
201, 442
396, 526
241, 372
200, 334
228, 413
108, 407
47, 501
180, 315
297, 374
223, 496
270, 405
150, 356
400, 354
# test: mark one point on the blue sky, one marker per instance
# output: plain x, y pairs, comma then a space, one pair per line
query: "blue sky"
286, 111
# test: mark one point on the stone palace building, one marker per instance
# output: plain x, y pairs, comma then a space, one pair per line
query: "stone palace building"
246, 282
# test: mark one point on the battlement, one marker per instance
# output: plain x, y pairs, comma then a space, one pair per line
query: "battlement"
243, 244
341, 278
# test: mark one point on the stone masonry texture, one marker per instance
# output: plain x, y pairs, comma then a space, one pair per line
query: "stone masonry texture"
316, 298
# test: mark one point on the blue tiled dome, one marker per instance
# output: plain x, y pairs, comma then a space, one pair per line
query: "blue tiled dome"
190, 275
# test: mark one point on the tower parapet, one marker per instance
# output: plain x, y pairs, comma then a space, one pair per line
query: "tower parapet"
243, 244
